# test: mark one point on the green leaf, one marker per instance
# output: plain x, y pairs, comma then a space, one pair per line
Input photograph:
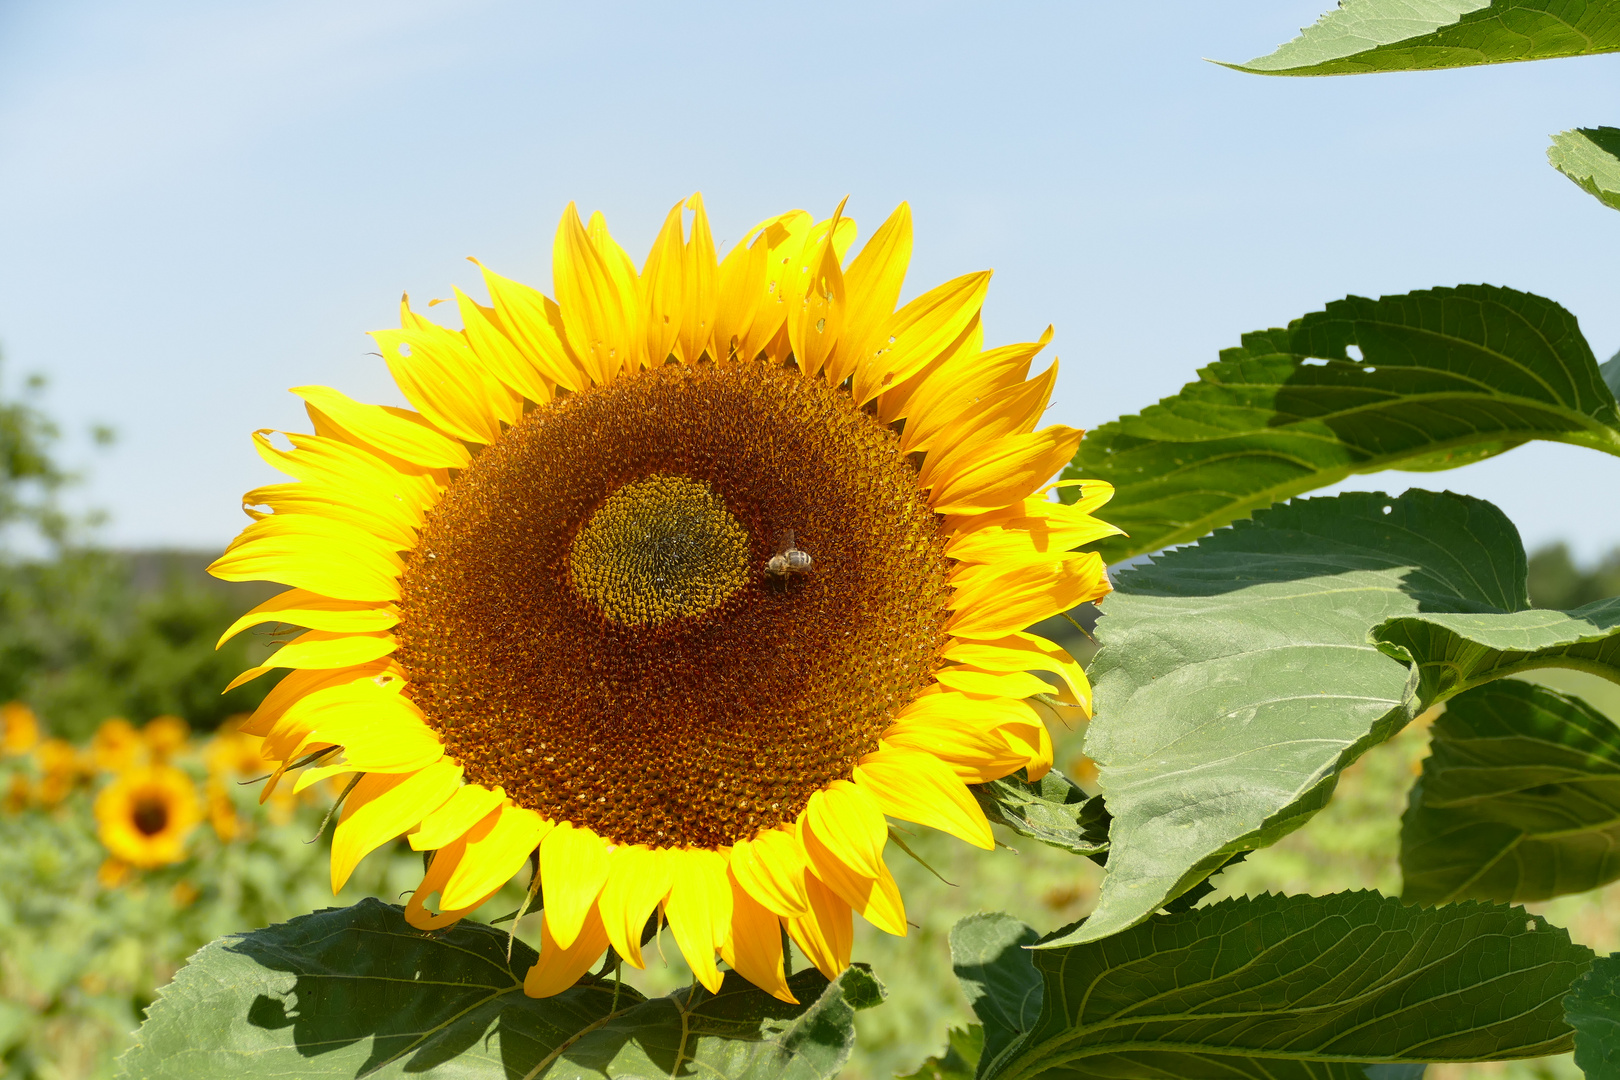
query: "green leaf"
1363, 36
1519, 799
1054, 811
1591, 158
1268, 987
1592, 1008
1444, 377
990, 955
356, 992
1239, 676
963, 1047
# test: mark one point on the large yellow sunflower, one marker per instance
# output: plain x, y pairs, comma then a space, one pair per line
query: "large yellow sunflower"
145, 815
684, 579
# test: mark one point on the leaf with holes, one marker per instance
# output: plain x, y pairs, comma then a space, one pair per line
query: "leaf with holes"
1239, 676
1443, 378
1591, 158
356, 992
1592, 1008
1363, 36
1519, 799
1053, 810
1299, 987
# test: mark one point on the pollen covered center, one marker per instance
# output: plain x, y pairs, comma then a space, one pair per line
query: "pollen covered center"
151, 815
659, 549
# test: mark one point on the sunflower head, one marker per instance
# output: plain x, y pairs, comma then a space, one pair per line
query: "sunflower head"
145, 815
683, 577
19, 728
116, 745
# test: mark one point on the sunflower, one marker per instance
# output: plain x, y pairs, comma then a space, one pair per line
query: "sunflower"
19, 728
145, 815
677, 584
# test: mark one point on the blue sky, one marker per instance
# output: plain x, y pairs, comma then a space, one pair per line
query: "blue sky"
202, 204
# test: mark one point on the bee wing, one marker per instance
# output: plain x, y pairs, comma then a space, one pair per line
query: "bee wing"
784, 541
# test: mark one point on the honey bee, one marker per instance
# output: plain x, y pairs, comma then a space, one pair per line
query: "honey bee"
788, 559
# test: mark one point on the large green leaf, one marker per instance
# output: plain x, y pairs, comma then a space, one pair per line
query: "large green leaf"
1400, 35
356, 992
1444, 377
1591, 158
1519, 799
1297, 987
990, 955
1240, 675
1592, 1008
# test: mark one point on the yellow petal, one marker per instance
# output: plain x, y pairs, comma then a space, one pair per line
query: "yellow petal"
771, 867
382, 806
559, 968
817, 303
499, 354
393, 522
700, 286
300, 607
780, 244
1027, 531
396, 433
876, 898
444, 862
1003, 600
826, 935
1011, 410
919, 332
850, 824
469, 805
598, 311
326, 557
678, 288
959, 383
956, 362
1025, 652
916, 786
1002, 470
753, 945
296, 685
573, 868
637, 882
497, 848
699, 909
438, 373
323, 649
534, 325
872, 284
1003, 683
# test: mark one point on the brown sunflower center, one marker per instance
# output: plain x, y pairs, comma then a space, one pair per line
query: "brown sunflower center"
591, 621
150, 815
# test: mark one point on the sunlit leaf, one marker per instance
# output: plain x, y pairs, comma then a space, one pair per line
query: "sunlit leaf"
1239, 676
1592, 1008
1416, 35
356, 992
1298, 987
963, 1047
1519, 799
1443, 378
990, 955
1591, 158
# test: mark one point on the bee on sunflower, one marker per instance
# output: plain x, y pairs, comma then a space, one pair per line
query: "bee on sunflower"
544, 621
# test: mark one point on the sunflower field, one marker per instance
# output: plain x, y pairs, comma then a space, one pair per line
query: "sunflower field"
724, 668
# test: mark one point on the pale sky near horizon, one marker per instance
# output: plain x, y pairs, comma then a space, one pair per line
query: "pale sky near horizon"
202, 204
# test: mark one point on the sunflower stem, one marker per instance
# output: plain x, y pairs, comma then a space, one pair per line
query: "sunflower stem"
523, 908
334, 808
618, 984
787, 953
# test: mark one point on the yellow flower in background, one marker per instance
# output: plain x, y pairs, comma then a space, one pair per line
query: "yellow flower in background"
19, 792
222, 815
61, 768
165, 736
231, 753
686, 579
146, 814
116, 745
19, 728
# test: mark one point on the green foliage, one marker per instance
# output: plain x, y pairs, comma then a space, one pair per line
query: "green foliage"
1444, 377
1556, 582
1591, 158
336, 994
1053, 810
963, 1048
1519, 800
91, 634
1240, 675
990, 955
1593, 1010
1268, 987
29, 478
1397, 35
